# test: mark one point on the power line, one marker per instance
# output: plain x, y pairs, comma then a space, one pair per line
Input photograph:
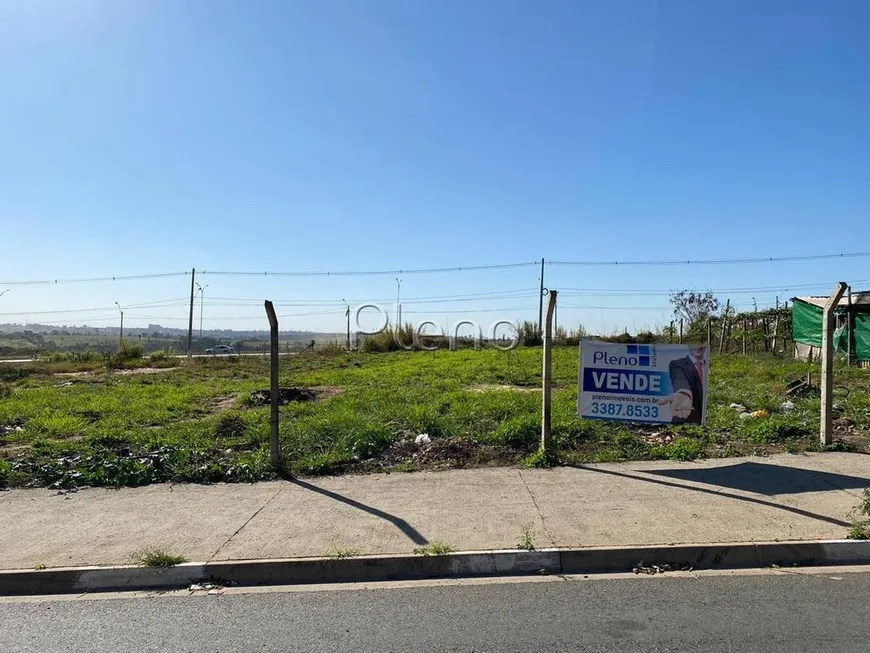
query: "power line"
435, 299
155, 304
781, 289
464, 268
768, 259
369, 273
158, 275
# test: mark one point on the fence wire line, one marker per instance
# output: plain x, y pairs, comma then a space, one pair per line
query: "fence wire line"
461, 268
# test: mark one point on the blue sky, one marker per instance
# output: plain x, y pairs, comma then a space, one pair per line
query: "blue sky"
156, 136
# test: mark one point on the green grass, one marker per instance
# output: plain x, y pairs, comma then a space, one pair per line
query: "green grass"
158, 558
191, 422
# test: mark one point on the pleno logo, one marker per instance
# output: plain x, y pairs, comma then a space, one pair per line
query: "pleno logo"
383, 323
642, 352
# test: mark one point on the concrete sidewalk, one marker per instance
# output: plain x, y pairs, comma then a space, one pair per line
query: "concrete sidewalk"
784, 497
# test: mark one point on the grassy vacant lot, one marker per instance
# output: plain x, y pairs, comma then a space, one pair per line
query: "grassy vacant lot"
196, 421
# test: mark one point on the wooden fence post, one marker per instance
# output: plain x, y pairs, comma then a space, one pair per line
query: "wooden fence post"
775, 333
826, 425
546, 405
744, 336
275, 391
724, 326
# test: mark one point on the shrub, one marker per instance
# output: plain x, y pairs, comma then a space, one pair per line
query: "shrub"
86, 356
331, 348
385, 341
529, 334
127, 351
162, 355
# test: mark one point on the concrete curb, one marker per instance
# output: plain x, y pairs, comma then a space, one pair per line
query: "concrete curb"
414, 567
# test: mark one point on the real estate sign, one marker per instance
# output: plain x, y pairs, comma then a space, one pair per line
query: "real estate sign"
643, 383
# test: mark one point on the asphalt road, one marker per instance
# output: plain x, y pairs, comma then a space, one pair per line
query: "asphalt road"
712, 614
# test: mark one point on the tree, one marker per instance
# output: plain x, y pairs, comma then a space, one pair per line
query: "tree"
693, 306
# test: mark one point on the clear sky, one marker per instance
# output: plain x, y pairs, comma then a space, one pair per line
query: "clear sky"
154, 136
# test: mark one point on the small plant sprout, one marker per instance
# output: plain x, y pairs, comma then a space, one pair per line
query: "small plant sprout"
434, 549
860, 529
158, 558
527, 537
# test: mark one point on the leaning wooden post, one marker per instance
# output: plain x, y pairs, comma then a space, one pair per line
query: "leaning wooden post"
724, 326
744, 336
274, 392
827, 419
710, 333
546, 406
848, 325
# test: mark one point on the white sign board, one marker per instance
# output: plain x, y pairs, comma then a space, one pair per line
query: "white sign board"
664, 384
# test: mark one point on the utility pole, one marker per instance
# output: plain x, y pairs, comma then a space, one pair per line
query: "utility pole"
347, 315
201, 291
190, 321
826, 426
541, 300
120, 310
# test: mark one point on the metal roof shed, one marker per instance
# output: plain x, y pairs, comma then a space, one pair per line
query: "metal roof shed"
853, 323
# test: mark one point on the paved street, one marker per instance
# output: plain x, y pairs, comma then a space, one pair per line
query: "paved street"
757, 613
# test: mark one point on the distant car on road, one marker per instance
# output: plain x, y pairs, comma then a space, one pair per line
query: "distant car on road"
220, 349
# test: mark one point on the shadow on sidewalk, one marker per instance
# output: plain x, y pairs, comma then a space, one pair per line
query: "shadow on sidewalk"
718, 493
762, 478
413, 534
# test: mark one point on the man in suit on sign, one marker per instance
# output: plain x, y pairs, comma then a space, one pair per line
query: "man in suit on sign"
687, 380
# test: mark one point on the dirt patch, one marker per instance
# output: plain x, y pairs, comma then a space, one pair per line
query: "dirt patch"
144, 370
440, 453
324, 392
12, 449
316, 393
852, 435
222, 404
495, 387
130, 372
